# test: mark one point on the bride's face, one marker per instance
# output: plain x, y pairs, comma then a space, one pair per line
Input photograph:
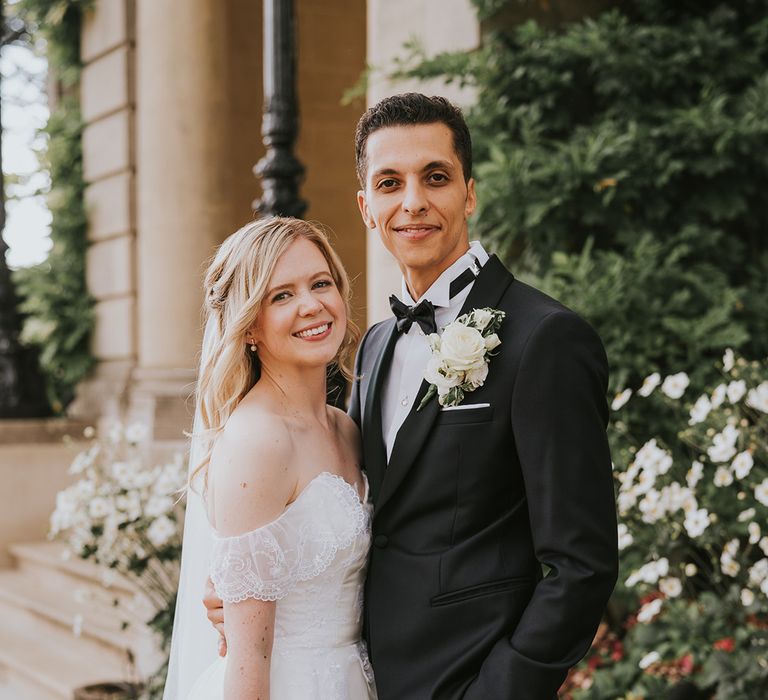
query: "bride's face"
303, 317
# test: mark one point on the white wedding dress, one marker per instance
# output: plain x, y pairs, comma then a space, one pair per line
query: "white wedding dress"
312, 561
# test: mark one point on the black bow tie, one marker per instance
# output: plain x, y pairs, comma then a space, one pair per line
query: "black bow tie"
423, 314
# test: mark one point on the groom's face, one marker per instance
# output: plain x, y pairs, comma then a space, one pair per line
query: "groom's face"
415, 196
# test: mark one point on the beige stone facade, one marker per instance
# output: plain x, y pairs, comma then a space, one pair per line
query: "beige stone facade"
172, 101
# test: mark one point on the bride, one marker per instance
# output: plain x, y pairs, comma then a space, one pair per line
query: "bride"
279, 475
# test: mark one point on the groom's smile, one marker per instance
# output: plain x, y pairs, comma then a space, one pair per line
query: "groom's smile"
416, 197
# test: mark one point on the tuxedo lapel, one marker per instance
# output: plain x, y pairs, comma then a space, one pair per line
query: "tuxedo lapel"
487, 290
374, 449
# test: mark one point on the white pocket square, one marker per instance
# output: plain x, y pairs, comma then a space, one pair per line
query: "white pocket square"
464, 406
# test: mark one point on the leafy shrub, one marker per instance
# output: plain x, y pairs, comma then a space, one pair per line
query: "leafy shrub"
620, 166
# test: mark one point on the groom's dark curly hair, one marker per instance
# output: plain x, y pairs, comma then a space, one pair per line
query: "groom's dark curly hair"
409, 109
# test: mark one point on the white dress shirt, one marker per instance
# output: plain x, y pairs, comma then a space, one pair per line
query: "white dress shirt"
412, 351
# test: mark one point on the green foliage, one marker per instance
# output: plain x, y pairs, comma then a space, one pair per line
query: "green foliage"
58, 308
620, 165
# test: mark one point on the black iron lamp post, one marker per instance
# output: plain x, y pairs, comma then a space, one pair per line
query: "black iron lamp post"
280, 171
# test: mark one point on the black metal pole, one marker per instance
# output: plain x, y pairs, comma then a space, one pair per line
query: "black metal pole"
280, 171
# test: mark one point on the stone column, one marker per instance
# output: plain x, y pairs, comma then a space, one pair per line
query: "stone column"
449, 25
198, 110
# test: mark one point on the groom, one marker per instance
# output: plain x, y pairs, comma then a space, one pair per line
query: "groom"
494, 533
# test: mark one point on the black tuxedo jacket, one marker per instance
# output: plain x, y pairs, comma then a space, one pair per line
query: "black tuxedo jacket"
473, 502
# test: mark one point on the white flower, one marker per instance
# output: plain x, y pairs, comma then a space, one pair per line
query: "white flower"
651, 507
754, 533
157, 506
758, 397
620, 399
729, 567
691, 569
476, 377
728, 360
625, 536
649, 384
742, 464
626, 500
161, 531
761, 492
763, 544
731, 547
437, 374
671, 587
735, 390
649, 610
694, 474
492, 342
652, 657
461, 347
745, 515
747, 597
481, 318
136, 432
700, 410
758, 572
675, 385
718, 395
723, 477
696, 522
650, 572
723, 444
99, 508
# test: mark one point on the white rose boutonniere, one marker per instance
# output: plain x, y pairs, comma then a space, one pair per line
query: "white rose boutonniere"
460, 356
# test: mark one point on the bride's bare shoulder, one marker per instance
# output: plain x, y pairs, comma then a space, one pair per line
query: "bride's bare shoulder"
253, 470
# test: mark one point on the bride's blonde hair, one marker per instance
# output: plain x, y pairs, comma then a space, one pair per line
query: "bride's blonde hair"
235, 285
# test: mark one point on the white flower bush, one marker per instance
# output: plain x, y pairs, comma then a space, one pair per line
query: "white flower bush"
691, 602
692, 508
124, 512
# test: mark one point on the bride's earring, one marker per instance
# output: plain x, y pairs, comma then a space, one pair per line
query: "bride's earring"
253, 346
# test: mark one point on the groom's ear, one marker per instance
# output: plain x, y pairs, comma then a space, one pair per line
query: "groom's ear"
471, 203
365, 212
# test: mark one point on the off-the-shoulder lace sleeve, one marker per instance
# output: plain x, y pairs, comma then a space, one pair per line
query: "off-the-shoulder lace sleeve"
299, 545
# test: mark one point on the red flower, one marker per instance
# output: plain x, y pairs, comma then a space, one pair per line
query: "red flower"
686, 664
617, 653
726, 644
593, 662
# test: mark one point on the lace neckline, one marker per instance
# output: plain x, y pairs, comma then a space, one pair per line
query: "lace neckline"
343, 483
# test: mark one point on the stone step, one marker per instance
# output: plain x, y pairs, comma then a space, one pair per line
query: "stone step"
53, 559
51, 662
91, 613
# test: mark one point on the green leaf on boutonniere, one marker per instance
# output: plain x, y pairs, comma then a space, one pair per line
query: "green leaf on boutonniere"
430, 393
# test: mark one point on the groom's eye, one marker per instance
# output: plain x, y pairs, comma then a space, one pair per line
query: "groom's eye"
388, 183
438, 178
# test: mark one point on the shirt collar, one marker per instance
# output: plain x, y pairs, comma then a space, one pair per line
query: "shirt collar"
439, 293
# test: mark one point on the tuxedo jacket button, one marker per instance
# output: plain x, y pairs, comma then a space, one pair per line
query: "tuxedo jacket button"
380, 541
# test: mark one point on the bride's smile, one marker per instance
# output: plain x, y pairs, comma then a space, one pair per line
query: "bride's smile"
303, 315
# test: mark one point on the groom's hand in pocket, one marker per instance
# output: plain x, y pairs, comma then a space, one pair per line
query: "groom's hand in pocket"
215, 610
